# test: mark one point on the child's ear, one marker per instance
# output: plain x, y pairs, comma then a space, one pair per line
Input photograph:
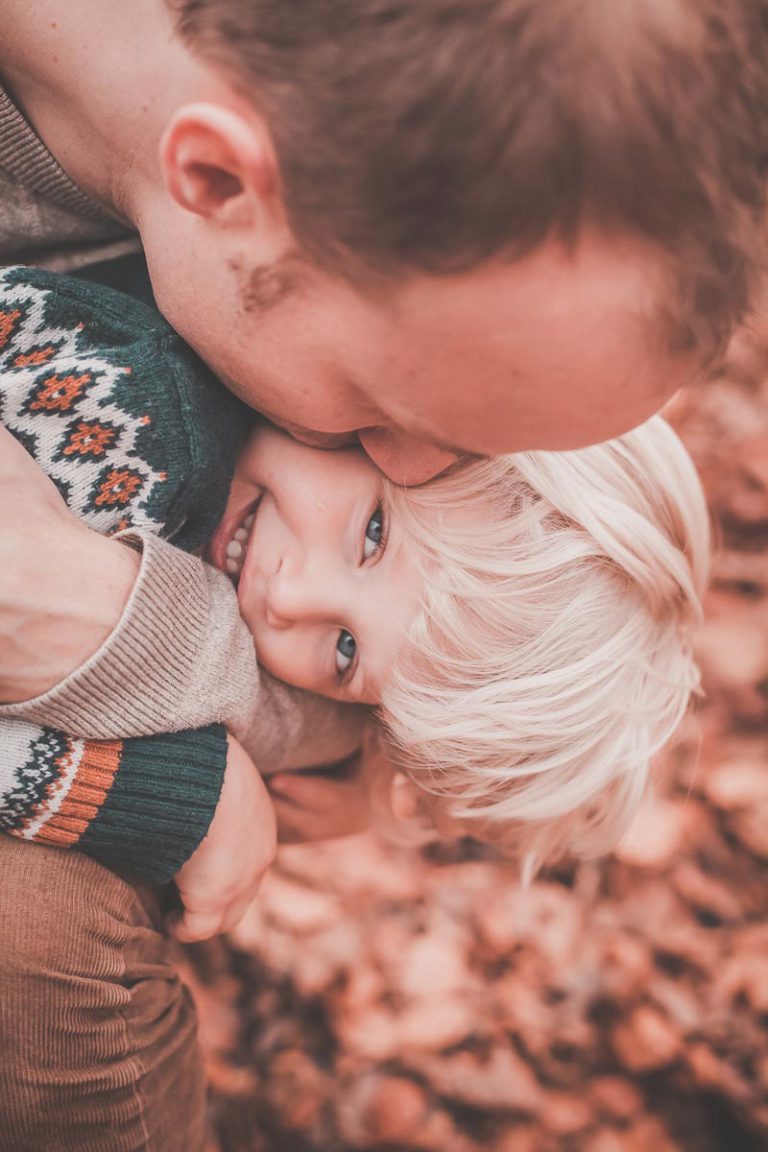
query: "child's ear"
220, 165
405, 798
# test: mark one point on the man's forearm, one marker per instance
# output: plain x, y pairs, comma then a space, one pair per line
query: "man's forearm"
62, 586
61, 595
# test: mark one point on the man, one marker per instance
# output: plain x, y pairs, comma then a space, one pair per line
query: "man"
476, 225
472, 255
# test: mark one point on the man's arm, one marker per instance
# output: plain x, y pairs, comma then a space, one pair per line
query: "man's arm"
102, 641
138, 438
62, 586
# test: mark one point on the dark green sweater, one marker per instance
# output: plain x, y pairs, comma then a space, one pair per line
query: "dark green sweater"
135, 432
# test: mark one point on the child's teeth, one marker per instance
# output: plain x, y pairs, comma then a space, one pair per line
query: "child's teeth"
237, 546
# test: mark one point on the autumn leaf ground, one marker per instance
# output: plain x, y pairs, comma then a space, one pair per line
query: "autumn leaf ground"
379, 999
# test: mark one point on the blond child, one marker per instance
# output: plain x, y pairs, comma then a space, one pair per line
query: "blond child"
522, 625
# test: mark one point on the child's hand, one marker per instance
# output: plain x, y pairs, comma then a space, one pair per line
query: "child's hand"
321, 804
220, 880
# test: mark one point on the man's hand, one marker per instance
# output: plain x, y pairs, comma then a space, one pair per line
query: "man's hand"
321, 803
220, 880
62, 587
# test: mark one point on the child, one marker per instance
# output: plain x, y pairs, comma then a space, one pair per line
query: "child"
521, 625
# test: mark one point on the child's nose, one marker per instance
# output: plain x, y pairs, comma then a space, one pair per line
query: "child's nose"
296, 594
284, 597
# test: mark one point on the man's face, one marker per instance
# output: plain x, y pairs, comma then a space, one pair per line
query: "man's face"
553, 351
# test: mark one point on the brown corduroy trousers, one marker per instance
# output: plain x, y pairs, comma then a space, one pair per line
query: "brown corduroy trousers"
98, 1045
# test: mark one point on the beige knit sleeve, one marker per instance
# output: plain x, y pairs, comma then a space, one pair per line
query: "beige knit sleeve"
293, 729
179, 658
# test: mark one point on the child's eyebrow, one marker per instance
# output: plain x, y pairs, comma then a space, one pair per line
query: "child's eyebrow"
365, 693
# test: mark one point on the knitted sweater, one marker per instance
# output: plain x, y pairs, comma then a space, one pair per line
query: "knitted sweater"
45, 219
140, 441
181, 628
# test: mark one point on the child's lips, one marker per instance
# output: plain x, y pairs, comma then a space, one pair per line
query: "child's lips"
230, 543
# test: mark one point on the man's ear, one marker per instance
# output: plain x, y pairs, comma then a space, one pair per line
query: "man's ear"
220, 165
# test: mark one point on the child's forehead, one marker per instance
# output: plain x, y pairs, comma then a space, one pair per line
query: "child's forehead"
439, 513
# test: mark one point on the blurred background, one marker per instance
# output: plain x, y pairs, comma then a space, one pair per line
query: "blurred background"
388, 1000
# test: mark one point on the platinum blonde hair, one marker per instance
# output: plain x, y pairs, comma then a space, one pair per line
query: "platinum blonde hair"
552, 657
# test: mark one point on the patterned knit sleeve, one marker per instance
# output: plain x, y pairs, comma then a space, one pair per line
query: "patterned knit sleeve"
141, 442
138, 438
143, 805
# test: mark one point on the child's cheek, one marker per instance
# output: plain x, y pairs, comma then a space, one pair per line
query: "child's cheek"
248, 612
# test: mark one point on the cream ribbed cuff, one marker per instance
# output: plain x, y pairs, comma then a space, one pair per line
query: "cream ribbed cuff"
180, 657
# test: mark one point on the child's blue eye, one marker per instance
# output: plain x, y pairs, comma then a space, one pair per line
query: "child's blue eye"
346, 649
374, 534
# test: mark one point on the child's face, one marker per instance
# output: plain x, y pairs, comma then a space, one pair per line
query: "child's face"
324, 580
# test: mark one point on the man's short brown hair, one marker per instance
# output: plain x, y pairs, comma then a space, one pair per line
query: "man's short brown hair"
431, 135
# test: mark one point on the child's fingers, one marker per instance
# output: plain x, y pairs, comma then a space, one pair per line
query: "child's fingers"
201, 925
235, 912
194, 926
215, 911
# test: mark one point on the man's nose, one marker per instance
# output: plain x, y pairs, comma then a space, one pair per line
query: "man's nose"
403, 457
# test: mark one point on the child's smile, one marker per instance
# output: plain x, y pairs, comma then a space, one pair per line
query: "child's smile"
238, 545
